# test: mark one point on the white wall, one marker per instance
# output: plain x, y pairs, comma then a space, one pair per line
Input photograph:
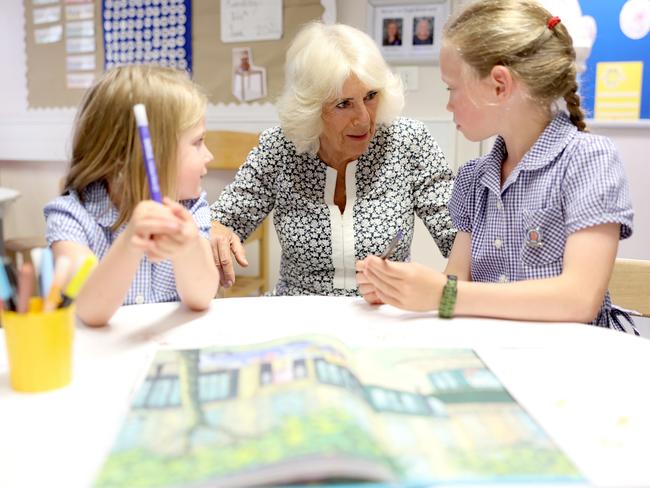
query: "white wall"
633, 142
34, 143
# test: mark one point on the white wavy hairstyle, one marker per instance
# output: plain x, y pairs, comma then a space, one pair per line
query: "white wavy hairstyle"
319, 61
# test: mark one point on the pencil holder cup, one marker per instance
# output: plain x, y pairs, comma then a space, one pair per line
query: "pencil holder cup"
39, 348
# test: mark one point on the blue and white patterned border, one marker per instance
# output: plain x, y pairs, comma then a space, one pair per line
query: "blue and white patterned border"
147, 31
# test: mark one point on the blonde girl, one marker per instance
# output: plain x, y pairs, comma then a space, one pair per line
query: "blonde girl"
540, 216
148, 252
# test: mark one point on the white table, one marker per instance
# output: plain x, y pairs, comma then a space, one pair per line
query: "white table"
586, 386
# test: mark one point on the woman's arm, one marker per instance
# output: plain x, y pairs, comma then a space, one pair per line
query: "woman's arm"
574, 296
245, 203
432, 188
225, 244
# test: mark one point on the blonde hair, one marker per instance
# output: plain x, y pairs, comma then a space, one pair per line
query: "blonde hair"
515, 34
106, 147
319, 60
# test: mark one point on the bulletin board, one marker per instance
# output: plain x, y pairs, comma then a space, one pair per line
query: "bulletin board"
50, 83
616, 84
51, 25
213, 64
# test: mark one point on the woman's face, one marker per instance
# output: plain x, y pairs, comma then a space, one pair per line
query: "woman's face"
422, 30
348, 122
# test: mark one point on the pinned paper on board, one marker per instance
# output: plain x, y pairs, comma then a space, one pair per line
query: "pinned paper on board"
253, 20
80, 44
81, 62
248, 80
46, 15
82, 11
48, 35
618, 90
80, 80
80, 28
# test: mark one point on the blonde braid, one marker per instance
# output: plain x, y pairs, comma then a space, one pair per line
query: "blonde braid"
517, 34
576, 114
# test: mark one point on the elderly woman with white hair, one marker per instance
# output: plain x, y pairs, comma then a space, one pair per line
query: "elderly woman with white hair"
342, 171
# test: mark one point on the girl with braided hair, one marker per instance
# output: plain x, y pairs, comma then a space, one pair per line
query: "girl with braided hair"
539, 217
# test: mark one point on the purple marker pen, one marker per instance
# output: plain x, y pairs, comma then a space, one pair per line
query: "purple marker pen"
147, 151
392, 245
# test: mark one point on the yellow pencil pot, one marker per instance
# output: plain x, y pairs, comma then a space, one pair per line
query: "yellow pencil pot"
39, 348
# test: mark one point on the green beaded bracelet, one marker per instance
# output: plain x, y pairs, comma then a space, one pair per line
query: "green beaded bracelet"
448, 298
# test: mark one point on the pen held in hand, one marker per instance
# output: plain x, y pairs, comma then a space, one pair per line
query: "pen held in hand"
147, 151
388, 252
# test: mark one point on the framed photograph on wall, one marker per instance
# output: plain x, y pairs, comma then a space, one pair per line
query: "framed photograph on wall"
408, 31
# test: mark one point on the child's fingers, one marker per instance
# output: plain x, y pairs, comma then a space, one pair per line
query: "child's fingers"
155, 257
384, 269
166, 245
177, 209
157, 251
383, 283
389, 299
156, 225
141, 243
369, 294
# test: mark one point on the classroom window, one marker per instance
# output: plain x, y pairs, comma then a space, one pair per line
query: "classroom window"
159, 392
266, 374
218, 385
404, 402
333, 374
299, 369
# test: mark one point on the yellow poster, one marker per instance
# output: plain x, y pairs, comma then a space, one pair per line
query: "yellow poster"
618, 90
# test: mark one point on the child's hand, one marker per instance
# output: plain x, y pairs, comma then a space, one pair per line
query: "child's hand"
150, 219
409, 286
167, 245
366, 288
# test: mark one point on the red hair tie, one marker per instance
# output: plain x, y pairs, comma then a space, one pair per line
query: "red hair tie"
552, 22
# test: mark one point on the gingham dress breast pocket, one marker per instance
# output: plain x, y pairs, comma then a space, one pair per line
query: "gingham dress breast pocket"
543, 235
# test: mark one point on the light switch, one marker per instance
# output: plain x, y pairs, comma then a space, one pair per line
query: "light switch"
409, 75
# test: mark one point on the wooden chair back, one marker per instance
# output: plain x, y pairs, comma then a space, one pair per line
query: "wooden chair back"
230, 149
629, 285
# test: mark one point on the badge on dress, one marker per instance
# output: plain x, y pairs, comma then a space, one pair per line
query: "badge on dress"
534, 237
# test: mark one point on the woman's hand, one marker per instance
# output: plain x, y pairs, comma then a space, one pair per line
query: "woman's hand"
409, 286
225, 244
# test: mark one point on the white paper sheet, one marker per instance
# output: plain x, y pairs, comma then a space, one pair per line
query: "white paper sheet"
82, 62
80, 12
46, 14
48, 35
251, 20
80, 45
80, 28
80, 80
